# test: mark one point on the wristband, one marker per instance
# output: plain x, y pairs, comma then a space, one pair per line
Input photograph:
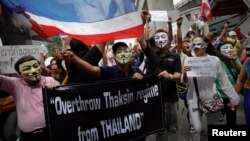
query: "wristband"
170, 76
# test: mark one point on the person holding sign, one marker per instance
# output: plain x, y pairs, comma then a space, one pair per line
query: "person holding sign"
123, 69
203, 87
27, 92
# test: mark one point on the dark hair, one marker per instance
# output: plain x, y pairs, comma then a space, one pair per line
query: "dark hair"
78, 47
188, 35
58, 62
161, 30
23, 60
210, 48
117, 45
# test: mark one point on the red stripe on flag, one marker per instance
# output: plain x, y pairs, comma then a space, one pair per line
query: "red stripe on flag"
96, 38
206, 10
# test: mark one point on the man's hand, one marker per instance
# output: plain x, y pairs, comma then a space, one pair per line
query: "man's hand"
165, 75
137, 76
67, 55
53, 86
146, 17
231, 106
170, 20
179, 21
186, 68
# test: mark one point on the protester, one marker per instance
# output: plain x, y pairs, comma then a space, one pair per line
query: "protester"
243, 82
207, 91
27, 92
92, 56
184, 50
246, 45
123, 68
169, 69
232, 38
231, 65
55, 70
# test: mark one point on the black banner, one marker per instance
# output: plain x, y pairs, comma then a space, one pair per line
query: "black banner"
112, 110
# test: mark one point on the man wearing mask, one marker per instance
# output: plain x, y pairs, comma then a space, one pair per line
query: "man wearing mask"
123, 69
170, 71
27, 92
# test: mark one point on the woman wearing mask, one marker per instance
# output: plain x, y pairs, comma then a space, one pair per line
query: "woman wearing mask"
207, 90
231, 65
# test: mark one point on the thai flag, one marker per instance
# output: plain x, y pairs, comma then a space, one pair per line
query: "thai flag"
92, 21
206, 10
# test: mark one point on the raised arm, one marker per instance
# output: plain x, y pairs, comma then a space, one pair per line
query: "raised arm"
145, 37
153, 58
84, 65
170, 32
224, 31
45, 71
179, 35
242, 77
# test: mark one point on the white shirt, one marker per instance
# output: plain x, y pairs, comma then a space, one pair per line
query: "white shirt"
207, 88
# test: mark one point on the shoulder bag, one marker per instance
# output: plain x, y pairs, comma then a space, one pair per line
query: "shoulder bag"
209, 106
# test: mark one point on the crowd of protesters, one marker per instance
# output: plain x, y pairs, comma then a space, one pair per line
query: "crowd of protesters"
162, 53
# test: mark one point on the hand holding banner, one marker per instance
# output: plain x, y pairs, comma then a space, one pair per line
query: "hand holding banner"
117, 110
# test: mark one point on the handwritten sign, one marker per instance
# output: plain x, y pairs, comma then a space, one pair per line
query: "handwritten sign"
10, 54
201, 66
160, 16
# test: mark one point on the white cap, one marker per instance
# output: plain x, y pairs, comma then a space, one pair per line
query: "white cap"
232, 33
47, 61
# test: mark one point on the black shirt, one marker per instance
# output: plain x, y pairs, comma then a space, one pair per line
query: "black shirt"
113, 72
170, 62
76, 74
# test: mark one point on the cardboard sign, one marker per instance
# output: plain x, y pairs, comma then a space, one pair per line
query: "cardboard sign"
10, 54
160, 16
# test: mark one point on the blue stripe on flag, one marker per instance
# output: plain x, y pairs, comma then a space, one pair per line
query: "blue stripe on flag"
87, 11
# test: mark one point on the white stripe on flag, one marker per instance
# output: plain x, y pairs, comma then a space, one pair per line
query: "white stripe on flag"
112, 25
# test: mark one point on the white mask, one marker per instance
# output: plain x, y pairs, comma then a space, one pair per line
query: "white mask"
161, 39
30, 71
198, 43
123, 55
226, 49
